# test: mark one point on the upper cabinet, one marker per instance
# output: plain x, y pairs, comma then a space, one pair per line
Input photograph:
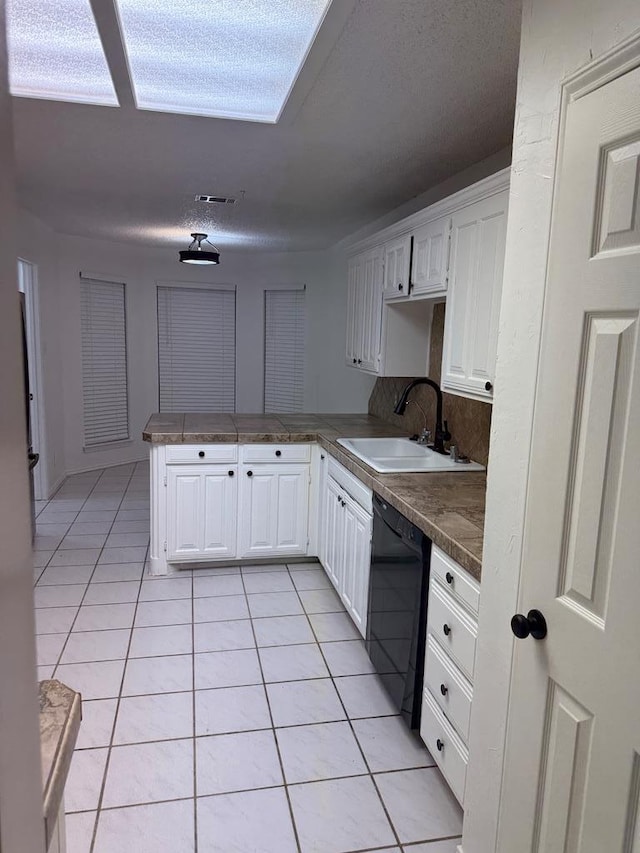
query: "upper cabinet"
364, 310
397, 263
453, 251
476, 265
430, 257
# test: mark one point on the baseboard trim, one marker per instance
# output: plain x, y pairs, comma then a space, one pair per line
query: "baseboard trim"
94, 467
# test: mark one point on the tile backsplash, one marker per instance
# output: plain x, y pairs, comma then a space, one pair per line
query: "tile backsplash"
469, 420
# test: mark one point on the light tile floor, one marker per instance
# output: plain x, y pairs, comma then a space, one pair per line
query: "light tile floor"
228, 710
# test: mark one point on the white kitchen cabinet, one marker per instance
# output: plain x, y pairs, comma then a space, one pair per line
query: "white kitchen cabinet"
452, 628
397, 261
273, 510
201, 512
476, 265
345, 544
430, 256
364, 310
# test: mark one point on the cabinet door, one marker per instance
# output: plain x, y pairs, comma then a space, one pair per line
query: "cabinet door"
397, 257
371, 303
333, 533
430, 256
274, 507
201, 512
357, 543
354, 309
473, 301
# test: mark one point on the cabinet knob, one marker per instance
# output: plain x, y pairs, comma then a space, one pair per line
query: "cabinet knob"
439, 745
355, 361
322, 456
444, 689
446, 629
231, 473
343, 503
359, 361
488, 386
400, 286
278, 453
201, 454
339, 498
249, 473
449, 577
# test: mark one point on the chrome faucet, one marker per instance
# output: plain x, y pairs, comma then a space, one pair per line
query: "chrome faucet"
442, 433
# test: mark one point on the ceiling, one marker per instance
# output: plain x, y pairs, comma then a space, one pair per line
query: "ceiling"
396, 96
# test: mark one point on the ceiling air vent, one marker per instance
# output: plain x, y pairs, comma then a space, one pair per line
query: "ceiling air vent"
215, 199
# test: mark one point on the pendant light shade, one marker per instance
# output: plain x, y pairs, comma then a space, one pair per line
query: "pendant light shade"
195, 254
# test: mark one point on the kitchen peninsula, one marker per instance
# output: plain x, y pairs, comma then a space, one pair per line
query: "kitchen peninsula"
211, 469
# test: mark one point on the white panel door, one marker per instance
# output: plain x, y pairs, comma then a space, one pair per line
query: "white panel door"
201, 512
572, 771
430, 257
397, 259
274, 509
333, 533
473, 301
357, 560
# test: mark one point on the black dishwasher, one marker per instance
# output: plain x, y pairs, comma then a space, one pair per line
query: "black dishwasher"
397, 612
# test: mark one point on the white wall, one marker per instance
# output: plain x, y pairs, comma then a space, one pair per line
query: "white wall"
330, 385
558, 38
21, 823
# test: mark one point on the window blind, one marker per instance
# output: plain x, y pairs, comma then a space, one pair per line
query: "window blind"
196, 349
104, 361
284, 355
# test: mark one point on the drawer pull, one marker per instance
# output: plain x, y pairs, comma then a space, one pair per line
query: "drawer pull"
201, 454
249, 473
278, 453
446, 629
440, 745
231, 473
444, 689
449, 578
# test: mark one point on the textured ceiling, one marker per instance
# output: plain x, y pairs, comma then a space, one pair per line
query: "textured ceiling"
411, 92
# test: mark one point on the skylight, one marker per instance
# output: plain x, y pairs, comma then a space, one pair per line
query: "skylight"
55, 52
226, 58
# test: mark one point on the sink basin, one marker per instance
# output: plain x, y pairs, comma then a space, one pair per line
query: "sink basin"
401, 455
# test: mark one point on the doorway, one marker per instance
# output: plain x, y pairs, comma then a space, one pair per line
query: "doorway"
28, 287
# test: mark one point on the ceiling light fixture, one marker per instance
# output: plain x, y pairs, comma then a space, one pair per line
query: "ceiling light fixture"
195, 254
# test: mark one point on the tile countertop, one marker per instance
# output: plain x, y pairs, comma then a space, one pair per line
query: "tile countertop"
449, 508
60, 714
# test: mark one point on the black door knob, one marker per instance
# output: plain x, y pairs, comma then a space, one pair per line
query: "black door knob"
354, 360
488, 386
231, 473
201, 454
440, 745
533, 623
444, 689
278, 453
249, 473
400, 287
446, 629
359, 361
449, 577
344, 503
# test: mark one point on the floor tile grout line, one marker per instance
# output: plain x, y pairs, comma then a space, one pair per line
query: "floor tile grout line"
273, 728
348, 717
194, 720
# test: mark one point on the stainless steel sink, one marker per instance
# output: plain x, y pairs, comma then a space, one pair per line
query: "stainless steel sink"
401, 455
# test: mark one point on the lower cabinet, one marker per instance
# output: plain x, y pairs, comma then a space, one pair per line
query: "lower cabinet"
452, 629
229, 502
201, 512
345, 545
273, 510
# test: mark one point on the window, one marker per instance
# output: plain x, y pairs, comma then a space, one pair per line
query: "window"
104, 362
284, 350
196, 349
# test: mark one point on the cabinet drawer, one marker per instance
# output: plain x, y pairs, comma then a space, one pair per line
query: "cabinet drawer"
452, 627
449, 687
454, 578
274, 453
360, 493
452, 757
190, 453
